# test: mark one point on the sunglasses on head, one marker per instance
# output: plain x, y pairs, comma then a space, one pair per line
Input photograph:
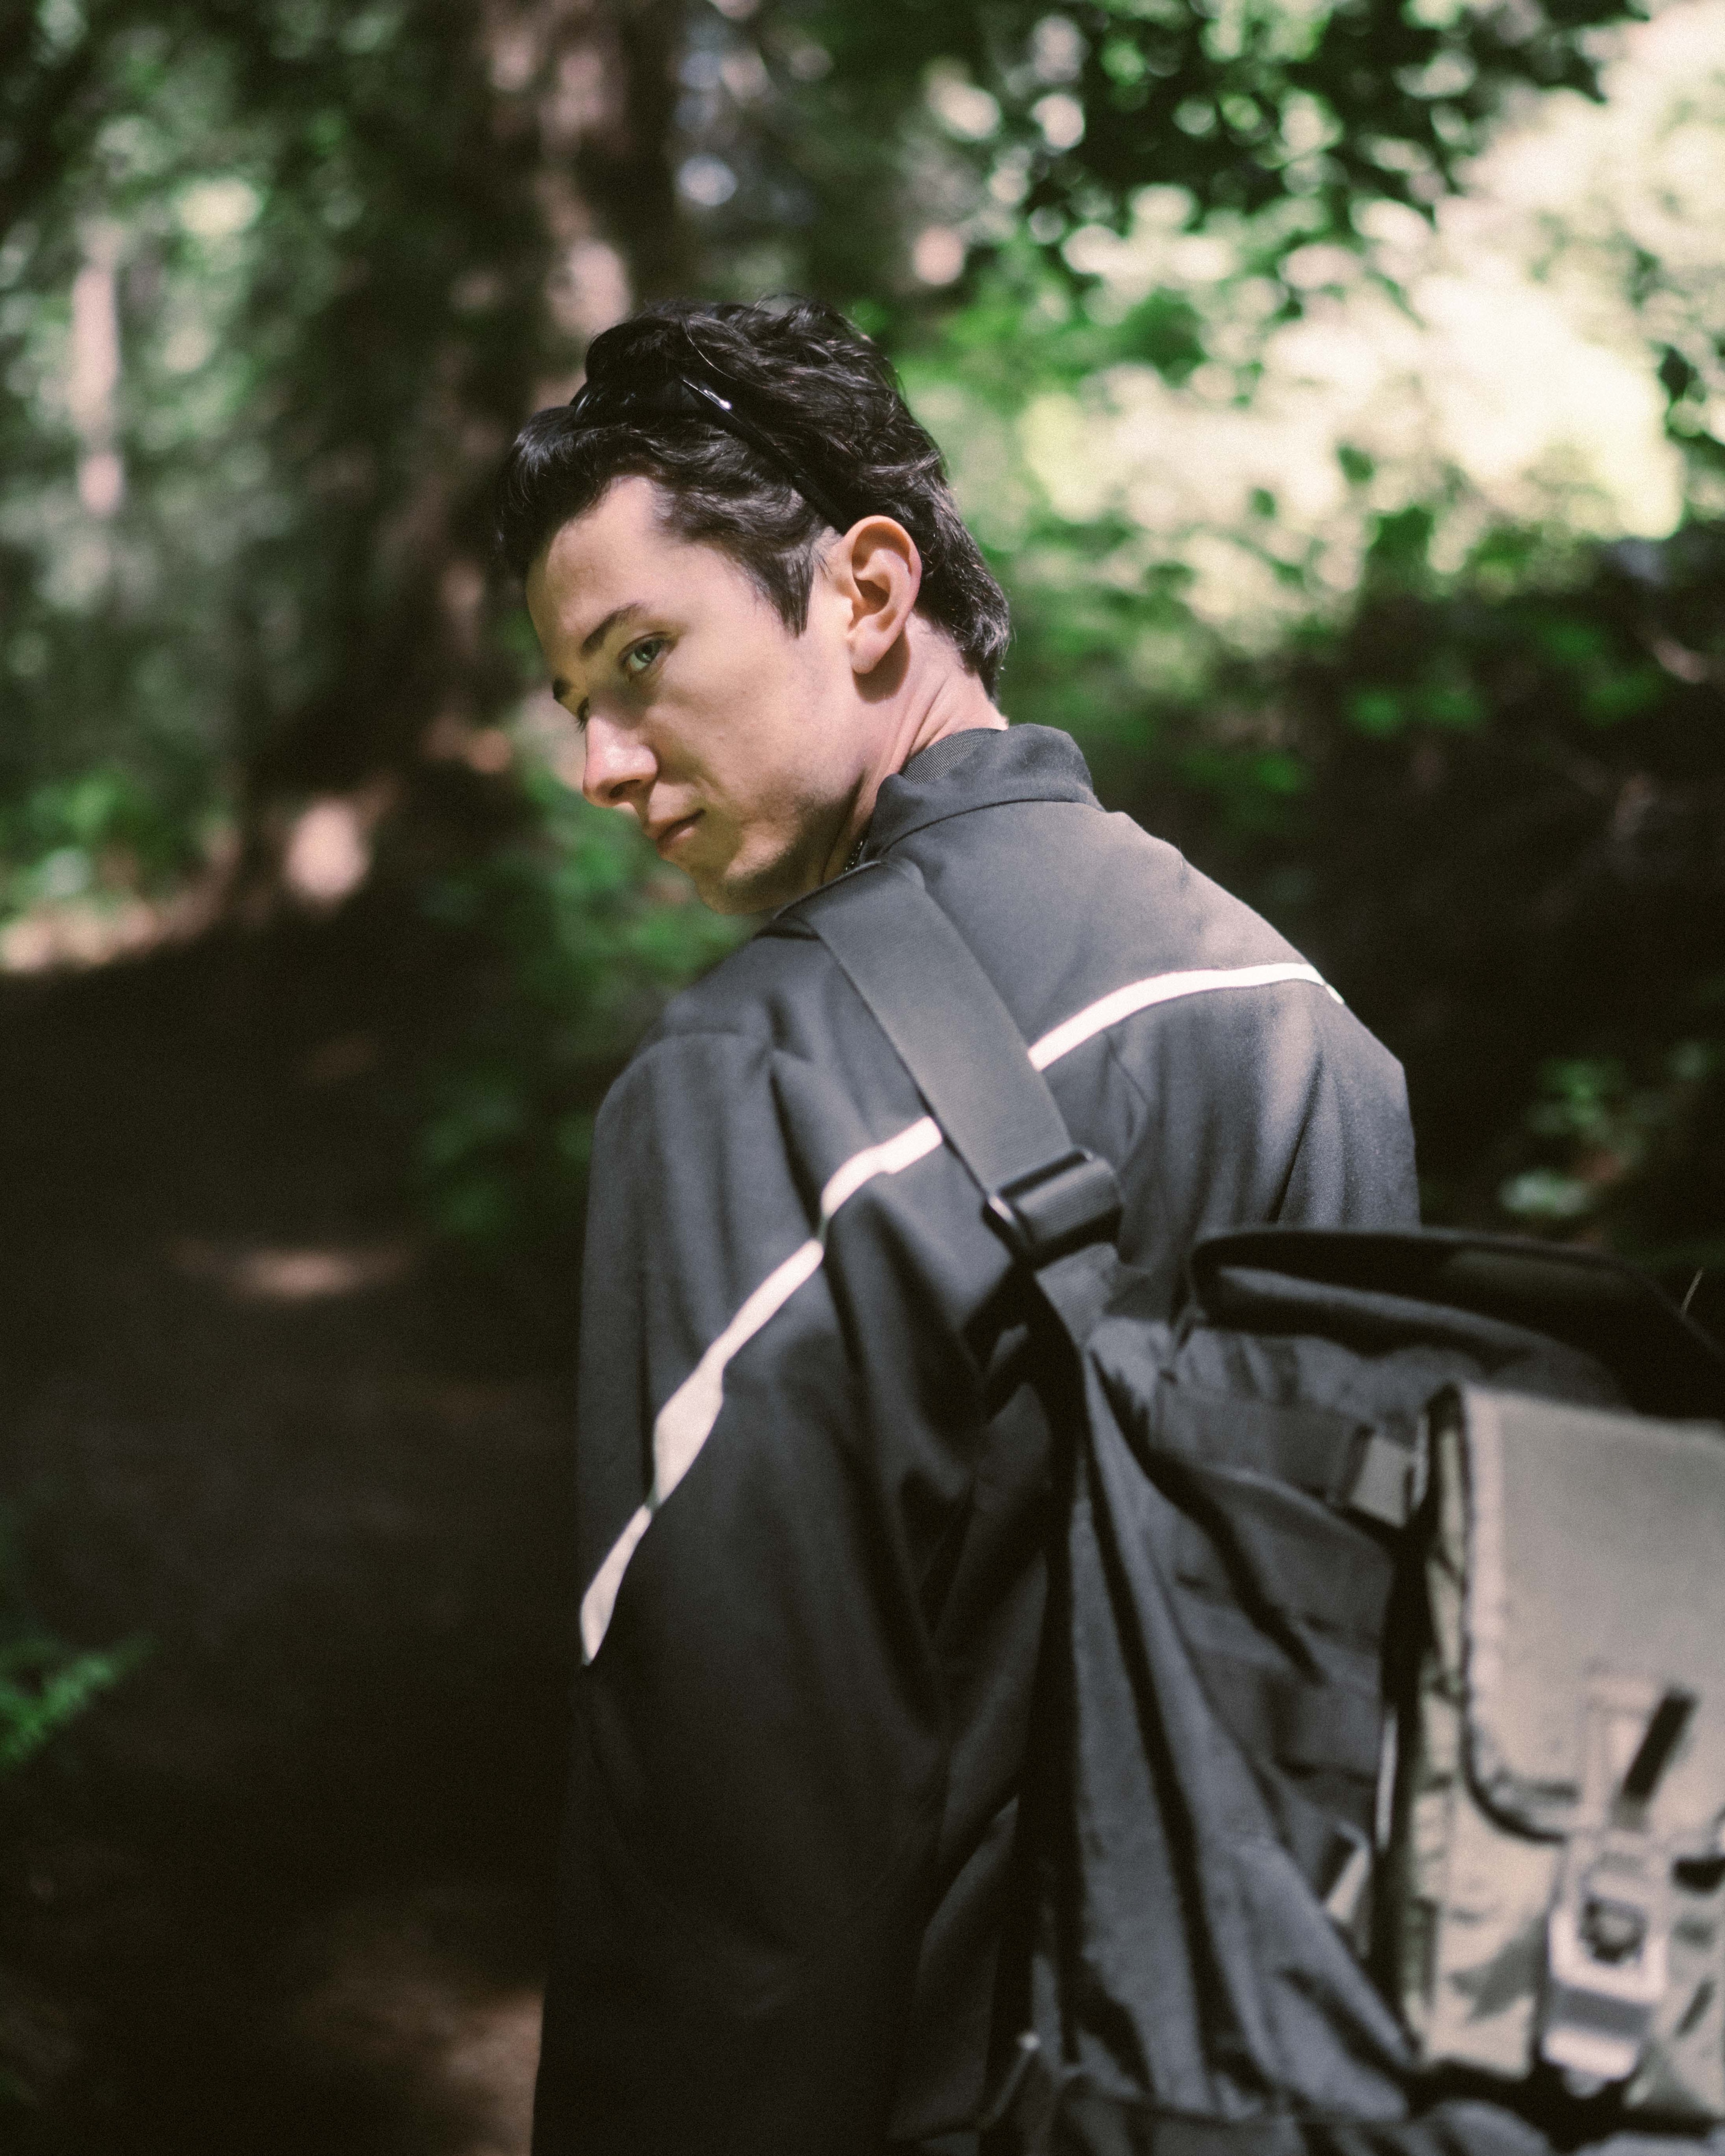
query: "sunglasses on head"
686, 397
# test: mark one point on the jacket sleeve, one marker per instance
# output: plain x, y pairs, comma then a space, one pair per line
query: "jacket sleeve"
760, 1749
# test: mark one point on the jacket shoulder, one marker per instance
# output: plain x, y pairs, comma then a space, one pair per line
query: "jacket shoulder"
747, 993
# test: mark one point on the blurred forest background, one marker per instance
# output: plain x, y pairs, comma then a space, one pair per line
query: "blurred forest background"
1338, 387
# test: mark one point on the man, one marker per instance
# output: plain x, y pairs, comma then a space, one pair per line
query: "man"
811, 1461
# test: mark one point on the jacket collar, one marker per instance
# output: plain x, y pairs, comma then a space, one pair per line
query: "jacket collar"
981, 769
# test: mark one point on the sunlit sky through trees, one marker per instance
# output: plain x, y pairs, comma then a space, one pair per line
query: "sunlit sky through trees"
1503, 362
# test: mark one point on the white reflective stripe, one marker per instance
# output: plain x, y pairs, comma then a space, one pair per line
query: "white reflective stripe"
685, 1421
887, 1158
600, 1599
1163, 988
690, 1412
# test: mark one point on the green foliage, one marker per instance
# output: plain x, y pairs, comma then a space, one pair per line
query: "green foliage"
1012, 118
45, 1684
329, 234
1620, 1152
251, 563
97, 831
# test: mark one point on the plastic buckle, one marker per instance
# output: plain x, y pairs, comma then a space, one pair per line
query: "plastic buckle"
1608, 1934
1072, 1201
1607, 1964
1386, 1480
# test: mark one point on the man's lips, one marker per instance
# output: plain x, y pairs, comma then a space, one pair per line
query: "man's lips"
665, 835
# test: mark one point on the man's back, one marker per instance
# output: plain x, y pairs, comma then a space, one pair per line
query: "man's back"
813, 1467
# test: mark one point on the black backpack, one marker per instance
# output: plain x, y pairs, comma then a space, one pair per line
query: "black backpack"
1379, 1792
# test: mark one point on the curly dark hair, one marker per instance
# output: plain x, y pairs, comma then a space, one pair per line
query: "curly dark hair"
828, 400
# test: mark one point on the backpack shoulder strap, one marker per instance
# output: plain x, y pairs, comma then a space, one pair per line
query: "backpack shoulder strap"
953, 1033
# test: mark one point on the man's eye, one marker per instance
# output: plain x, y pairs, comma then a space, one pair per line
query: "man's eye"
639, 657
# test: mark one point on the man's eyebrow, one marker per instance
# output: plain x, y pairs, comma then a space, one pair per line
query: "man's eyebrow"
595, 637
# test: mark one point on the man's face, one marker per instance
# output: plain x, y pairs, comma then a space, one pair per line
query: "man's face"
736, 744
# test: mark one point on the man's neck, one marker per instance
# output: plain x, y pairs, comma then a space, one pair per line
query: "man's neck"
938, 697
958, 706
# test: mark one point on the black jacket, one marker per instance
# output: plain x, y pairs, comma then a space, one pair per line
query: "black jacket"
811, 1470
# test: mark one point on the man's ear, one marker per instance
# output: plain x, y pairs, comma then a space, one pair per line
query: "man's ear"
878, 572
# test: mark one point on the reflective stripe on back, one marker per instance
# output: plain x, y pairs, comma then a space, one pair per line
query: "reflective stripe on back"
683, 1424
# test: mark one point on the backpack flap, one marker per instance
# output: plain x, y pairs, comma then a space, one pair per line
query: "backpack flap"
1562, 1896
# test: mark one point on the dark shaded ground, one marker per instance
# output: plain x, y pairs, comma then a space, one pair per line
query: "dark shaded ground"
286, 1888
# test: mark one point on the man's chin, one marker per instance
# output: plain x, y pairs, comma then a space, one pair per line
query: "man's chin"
736, 889
718, 897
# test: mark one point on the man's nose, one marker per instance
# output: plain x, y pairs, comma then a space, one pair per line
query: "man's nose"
618, 764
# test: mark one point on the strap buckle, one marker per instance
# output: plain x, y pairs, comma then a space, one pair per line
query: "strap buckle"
1608, 1930
1386, 1480
1058, 1207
